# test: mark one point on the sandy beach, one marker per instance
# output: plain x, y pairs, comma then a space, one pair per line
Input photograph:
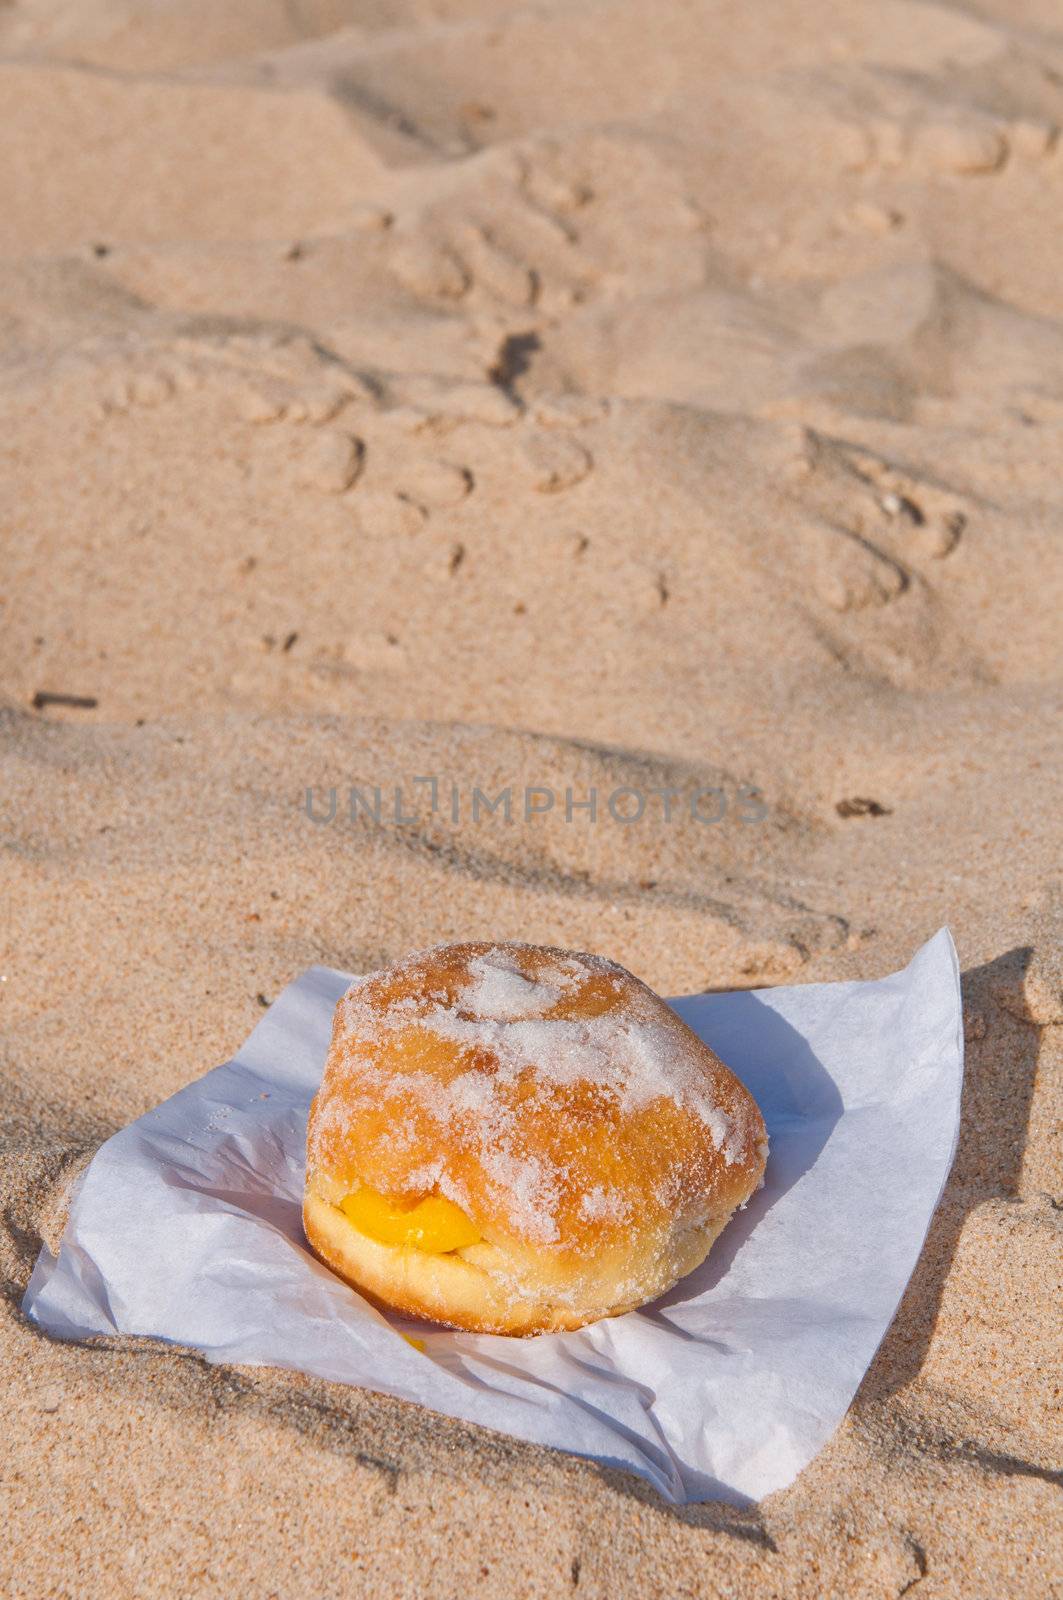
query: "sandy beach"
605, 396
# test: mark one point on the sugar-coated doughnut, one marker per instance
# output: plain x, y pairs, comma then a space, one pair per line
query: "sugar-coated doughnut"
513, 1139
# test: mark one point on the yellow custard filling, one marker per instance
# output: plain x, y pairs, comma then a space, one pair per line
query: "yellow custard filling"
432, 1224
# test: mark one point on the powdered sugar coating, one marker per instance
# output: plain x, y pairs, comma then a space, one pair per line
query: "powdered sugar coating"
634, 1061
499, 991
600, 1202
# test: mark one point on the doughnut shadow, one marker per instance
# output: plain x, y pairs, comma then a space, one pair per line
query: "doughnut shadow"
798, 1099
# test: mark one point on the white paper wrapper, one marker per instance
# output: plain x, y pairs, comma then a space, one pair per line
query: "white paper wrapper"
186, 1227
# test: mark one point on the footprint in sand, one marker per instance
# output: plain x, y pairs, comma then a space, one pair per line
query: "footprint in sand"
919, 520
421, 403
397, 450
384, 440
292, 381
428, 268
872, 525
569, 410
413, 466
967, 143
527, 234
495, 269
123, 385
434, 484
967, 146
850, 573
928, 535
420, 486
293, 384
506, 244
555, 461
267, 378
331, 461
385, 515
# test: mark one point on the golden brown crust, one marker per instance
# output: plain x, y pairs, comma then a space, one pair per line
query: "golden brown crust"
451, 1290
596, 1143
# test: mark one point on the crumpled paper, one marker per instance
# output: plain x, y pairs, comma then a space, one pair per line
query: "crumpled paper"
186, 1227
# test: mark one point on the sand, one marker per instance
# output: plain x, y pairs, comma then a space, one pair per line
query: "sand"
609, 395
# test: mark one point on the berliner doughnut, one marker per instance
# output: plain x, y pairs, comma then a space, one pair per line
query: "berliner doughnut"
514, 1139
